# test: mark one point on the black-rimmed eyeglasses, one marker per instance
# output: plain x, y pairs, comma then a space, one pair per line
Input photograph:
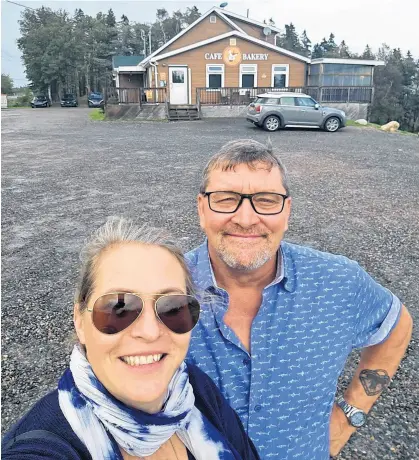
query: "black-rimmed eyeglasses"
265, 203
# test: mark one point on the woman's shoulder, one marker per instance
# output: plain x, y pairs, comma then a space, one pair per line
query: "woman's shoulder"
43, 432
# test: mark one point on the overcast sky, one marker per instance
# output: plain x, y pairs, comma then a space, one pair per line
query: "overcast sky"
358, 22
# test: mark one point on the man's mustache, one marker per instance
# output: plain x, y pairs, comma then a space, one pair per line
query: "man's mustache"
245, 232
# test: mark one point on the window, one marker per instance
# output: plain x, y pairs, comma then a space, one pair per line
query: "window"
280, 75
178, 76
215, 76
248, 75
305, 101
268, 100
213, 19
288, 100
233, 42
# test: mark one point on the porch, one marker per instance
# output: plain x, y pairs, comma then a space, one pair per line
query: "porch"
232, 101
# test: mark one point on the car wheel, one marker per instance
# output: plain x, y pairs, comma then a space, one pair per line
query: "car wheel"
332, 124
271, 123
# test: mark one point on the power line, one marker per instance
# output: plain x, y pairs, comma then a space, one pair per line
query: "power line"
19, 4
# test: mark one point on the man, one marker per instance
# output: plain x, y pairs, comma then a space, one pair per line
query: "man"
283, 318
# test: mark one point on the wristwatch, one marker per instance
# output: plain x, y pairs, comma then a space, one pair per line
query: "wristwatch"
355, 416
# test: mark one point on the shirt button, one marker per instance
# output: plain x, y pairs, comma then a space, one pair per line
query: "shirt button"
246, 361
257, 408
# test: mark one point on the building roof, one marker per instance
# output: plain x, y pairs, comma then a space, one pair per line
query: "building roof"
233, 33
227, 16
191, 26
248, 20
346, 61
122, 61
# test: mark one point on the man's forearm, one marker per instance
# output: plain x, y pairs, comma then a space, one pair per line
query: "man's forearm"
378, 365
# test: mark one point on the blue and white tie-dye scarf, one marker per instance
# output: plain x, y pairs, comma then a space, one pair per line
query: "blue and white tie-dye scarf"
104, 424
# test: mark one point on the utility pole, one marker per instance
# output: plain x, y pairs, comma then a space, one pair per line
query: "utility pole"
149, 40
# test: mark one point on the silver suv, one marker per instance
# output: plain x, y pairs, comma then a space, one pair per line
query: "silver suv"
278, 110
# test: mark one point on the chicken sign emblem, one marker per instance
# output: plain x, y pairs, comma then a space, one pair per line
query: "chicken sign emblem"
232, 56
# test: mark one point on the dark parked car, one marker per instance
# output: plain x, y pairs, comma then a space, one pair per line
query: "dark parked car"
69, 100
95, 100
40, 101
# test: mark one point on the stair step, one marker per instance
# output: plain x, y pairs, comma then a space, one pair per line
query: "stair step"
182, 112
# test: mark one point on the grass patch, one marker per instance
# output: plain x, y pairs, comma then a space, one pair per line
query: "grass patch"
369, 125
15, 107
97, 115
375, 126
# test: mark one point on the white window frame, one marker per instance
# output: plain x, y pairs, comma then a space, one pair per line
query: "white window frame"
255, 73
213, 19
215, 73
282, 72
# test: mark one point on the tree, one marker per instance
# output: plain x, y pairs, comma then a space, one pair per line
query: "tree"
306, 44
331, 47
110, 19
6, 84
290, 39
367, 54
343, 50
318, 51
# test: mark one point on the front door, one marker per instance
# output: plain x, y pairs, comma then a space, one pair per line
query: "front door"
178, 80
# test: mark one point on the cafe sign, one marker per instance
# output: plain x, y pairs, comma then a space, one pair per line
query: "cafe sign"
232, 56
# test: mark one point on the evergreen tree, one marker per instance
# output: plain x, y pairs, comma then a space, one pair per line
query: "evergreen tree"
331, 47
343, 50
306, 44
367, 54
318, 51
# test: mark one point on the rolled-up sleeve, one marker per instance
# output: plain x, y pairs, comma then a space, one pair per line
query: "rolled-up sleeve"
377, 311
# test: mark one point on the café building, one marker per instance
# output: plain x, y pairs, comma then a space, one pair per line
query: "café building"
227, 58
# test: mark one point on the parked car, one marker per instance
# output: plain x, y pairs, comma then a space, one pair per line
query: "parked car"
279, 110
95, 100
40, 101
69, 100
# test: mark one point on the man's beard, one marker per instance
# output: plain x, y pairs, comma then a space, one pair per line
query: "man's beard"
232, 258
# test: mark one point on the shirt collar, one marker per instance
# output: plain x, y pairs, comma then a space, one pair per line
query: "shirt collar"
284, 269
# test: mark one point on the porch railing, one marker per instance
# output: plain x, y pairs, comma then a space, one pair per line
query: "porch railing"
361, 94
136, 95
243, 96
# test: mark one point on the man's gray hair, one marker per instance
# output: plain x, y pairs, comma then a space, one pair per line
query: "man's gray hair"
118, 230
244, 151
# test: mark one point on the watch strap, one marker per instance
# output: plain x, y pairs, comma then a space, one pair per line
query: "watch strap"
347, 408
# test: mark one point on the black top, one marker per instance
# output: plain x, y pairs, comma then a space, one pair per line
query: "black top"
61, 443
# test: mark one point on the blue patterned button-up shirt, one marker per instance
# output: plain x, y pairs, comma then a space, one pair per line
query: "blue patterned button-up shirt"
319, 307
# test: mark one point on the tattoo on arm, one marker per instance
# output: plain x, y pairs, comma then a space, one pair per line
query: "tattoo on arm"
374, 381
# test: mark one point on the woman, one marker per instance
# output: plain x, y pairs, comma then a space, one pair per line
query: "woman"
127, 393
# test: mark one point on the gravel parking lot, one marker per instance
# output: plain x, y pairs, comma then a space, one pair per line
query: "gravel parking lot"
356, 192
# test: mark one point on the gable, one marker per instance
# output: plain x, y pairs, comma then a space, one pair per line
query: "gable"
255, 31
202, 31
231, 36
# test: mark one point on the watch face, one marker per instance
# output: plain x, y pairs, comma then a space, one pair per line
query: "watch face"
358, 419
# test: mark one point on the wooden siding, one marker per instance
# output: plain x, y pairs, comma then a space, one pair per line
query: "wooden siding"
195, 60
131, 81
200, 32
255, 31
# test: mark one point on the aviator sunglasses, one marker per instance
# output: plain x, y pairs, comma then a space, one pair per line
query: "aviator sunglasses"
114, 312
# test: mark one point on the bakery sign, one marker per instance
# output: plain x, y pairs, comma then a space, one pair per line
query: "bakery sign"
232, 56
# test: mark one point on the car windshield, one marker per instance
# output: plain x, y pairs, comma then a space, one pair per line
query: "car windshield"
68, 96
96, 96
41, 98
